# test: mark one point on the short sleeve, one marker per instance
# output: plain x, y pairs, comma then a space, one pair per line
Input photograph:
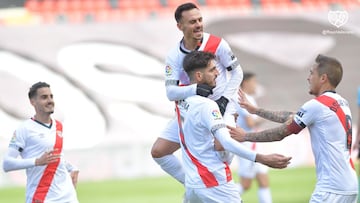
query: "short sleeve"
226, 56
18, 140
211, 116
307, 113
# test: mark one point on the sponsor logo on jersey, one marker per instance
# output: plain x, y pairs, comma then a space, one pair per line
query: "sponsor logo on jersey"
168, 70
300, 113
216, 114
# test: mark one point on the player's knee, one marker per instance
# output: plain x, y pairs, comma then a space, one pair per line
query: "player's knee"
163, 147
156, 152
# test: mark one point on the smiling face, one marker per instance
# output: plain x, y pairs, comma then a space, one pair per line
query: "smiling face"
191, 25
43, 101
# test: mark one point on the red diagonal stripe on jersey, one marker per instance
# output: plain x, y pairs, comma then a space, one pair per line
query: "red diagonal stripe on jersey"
49, 172
212, 44
207, 177
334, 106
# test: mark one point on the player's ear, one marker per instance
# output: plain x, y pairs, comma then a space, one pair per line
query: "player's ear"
179, 26
323, 77
32, 101
198, 75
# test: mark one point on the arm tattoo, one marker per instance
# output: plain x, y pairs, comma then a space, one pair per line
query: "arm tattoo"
273, 134
276, 116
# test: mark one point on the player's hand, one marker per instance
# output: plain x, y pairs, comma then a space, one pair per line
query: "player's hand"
47, 158
237, 133
203, 90
244, 102
222, 103
273, 160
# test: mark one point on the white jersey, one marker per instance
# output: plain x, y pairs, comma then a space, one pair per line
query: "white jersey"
32, 139
201, 123
331, 144
225, 60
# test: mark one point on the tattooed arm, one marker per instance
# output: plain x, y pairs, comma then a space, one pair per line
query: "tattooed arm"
276, 116
269, 135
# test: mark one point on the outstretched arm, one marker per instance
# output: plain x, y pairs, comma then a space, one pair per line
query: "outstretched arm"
276, 116
269, 135
271, 160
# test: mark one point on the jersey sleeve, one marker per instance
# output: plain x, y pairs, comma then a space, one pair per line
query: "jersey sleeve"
307, 113
216, 124
173, 75
227, 58
17, 141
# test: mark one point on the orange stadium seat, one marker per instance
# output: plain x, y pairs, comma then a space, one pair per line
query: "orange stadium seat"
280, 5
32, 5
314, 4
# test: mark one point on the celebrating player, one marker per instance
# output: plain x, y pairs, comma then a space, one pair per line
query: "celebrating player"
208, 178
190, 22
328, 119
39, 142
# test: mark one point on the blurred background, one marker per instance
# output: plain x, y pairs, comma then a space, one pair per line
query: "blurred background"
104, 60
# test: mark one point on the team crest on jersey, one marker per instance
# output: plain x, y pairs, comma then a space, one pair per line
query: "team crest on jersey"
13, 138
216, 114
168, 70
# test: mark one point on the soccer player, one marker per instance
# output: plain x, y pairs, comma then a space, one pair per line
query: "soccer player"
190, 22
39, 142
249, 170
207, 177
328, 119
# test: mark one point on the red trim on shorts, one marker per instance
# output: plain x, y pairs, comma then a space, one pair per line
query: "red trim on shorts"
49, 172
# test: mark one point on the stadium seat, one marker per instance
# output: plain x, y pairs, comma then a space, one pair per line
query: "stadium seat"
32, 5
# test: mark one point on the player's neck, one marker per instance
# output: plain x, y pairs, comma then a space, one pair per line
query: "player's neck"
191, 44
42, 118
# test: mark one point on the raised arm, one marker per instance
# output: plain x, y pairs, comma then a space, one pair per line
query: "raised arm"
275, 116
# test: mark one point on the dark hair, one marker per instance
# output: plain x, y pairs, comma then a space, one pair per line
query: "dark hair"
183, 7
33, 89
197, 60
331, 67
246, 76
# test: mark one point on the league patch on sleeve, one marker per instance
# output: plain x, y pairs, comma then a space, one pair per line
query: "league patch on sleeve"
168, 70
13, 138
216, 114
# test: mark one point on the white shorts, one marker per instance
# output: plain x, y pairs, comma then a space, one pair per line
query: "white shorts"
171, 131
228, 193
249, 169
327, 197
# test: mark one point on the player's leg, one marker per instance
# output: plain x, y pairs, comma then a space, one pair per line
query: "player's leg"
163, 149
262, 178
246, 174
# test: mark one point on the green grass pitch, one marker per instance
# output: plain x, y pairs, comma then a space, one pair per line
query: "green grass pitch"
293, 185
